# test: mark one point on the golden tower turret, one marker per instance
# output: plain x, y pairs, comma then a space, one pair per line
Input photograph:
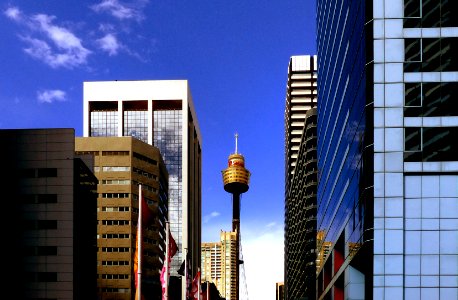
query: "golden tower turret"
236, 181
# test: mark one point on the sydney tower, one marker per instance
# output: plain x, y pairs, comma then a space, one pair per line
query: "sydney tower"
236, 179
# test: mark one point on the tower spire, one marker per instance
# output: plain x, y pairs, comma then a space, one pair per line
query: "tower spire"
236, 140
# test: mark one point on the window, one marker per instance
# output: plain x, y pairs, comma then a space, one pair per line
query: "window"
430, 13
430, 99
47, 172
431, 55
431, 144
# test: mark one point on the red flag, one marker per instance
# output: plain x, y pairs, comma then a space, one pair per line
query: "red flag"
147, 213
173, 248
195, 287
146, 218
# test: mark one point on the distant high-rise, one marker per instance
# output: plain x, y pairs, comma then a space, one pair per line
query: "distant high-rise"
279, 291
219, 264
49, 221
387, 149
301, 178
301, 95
160, 113
121, 164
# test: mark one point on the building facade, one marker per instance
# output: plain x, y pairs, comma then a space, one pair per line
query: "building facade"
219, 263
301, 178
160, 113
388, 170
50, 216
121, 164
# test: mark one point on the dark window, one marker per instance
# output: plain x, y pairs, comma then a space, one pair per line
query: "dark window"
46, 277
432, 99
47, 224
47, 172
27, 173
437, 144
47, 198
47, 250
430, 13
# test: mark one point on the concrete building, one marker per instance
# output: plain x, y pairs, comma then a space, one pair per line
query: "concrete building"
121, 164
387, 127
219, 262
300, 178
49, 219
160, 113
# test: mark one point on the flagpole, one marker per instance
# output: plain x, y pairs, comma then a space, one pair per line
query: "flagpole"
139, 243
199, 296
167, 251
186, 272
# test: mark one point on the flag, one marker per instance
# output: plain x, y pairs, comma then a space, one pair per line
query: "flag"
163, 281
184, 271
195, 289
173, 248
170, 250
145, 216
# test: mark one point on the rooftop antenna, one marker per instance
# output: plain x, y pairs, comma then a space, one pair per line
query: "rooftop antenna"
236, 138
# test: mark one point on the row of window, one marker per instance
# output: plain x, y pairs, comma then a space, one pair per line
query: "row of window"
431, 54
115, 263
144, 173
430, 144
115, 195
145, 159
430, 13
38, 198
112, 169
115, 208
39, 224
38, 172
430, 99
115, 236
115, 222
115, 181
113, 276
39, 250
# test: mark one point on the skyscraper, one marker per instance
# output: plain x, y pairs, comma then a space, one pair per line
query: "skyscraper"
121, 164
387, 127
300, 178
160, 113
219, 262
49, 220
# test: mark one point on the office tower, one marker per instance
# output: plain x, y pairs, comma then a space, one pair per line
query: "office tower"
236, 179
219, 264
387, 127
49, 220
279, 291
301, 95
121, 164
160, 113
300, 178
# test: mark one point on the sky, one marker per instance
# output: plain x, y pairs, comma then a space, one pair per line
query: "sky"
235, 57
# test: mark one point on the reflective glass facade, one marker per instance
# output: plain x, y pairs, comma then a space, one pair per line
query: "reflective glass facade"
388, 183
167, 137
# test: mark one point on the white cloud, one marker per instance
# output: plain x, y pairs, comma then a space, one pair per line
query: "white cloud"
54, 45
121, 10
50, 96
263, 254
211, 216
13, 13
110, 44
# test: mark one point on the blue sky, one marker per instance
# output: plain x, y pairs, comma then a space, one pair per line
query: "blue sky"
235, 56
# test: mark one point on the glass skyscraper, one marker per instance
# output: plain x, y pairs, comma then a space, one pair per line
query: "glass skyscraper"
160, 113
388, 169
